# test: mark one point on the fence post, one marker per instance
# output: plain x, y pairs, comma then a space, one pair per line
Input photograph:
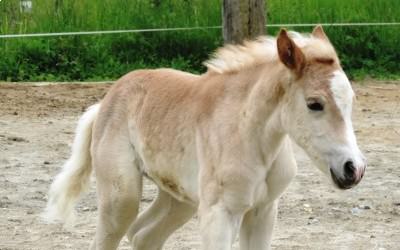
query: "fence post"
243, 19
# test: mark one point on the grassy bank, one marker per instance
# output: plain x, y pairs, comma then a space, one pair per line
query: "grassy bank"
363, 50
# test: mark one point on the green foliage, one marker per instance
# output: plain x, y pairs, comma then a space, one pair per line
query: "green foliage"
363, 50
371, 50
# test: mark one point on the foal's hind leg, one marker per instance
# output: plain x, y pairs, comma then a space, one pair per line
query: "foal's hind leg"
158, 222
119, 186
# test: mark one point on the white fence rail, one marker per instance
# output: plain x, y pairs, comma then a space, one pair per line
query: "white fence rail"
104, 32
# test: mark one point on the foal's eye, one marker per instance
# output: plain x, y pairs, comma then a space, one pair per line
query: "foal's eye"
315, 106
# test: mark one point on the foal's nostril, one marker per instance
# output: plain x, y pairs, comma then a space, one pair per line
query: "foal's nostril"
349, 169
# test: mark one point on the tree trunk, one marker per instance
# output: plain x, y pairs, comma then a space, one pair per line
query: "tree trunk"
243, 19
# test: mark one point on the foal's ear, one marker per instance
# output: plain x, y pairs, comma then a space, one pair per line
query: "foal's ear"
289, 54
319, 33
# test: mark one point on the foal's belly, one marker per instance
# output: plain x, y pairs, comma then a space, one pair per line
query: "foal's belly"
175, 174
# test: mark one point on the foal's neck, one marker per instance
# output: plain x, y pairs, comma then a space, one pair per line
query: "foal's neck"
262, 110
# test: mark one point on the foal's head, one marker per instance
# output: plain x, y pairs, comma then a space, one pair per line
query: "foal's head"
317, 106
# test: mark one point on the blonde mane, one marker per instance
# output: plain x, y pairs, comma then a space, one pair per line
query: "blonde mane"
232, 58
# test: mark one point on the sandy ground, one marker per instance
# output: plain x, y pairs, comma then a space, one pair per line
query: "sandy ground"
36, 130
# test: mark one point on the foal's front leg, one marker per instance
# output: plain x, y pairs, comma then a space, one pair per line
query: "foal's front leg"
219, 226
258, 223
257, 226
224, 199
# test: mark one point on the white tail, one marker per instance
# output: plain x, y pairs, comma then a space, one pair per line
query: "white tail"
74, 178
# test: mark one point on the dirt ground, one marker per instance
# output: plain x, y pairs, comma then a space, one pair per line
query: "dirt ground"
37, 123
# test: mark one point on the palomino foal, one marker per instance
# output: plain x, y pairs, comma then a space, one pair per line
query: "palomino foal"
217, 143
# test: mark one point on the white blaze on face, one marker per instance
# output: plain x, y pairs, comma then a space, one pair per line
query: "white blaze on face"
343, 95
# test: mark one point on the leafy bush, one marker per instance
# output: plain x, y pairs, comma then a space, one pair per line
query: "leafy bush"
363, 50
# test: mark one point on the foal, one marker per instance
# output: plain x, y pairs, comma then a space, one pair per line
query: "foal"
217, 143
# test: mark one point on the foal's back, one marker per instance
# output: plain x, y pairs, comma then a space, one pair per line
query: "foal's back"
147, 98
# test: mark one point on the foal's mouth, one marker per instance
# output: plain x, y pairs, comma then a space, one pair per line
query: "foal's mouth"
345, 183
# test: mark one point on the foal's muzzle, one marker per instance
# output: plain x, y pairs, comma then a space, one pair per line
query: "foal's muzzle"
351, 177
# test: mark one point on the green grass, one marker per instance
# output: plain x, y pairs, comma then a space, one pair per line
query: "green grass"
371, 51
